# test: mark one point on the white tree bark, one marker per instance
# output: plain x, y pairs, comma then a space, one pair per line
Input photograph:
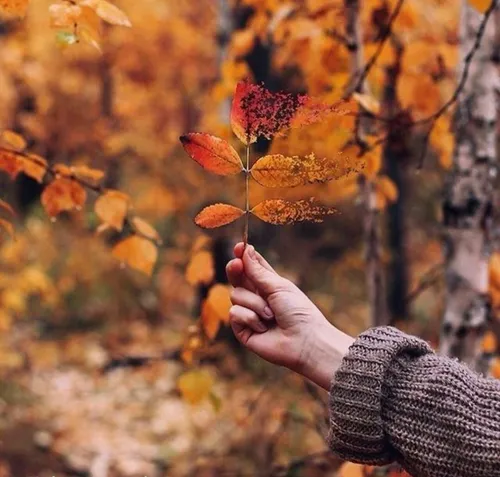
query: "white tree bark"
468, 197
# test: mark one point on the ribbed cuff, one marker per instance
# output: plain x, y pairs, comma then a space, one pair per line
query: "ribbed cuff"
358, 392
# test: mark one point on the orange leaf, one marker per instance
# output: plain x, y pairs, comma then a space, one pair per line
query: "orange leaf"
242, 42
218, 215
489, 343
63, 195
257, 112
7, 226
200, 269
212, 153
145, 229
367, 102
283, 212
138, 253
480, 5
64, 15
9, 163
387, 188
13, 8
495, 368
280, 171
33, 166
195, 386
4, 205
108, 12
215, 309
373, 160
87, 173
13, 140
112, 207
349, 469
89, 27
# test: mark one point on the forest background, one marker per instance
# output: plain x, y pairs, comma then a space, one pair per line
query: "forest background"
115, 354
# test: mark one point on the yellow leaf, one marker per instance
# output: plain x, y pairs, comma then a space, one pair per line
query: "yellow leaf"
64, 15
200, 269
367, 102
89, 27
138, 253
489, 343
283, 212
9, 163
215, 309
63, 195
145, 229
373, 160
480, 5
33, 166
13, 140
87, 173
218, 215
108, 12
112, 208
195, 386
387, 188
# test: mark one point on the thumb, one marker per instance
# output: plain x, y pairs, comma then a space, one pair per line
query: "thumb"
263, 276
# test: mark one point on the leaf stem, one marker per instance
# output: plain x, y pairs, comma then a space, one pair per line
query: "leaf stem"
247, 197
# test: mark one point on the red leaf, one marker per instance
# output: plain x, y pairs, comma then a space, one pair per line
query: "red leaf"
212, 153
62, 195
258, 112
218, 215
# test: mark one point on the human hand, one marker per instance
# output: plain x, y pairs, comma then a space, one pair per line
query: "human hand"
273, 318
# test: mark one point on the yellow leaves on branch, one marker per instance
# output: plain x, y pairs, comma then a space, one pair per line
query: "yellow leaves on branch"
480, 5
201, 269
112, 208
218, 215
138, 253
215, 309
195, 386
280, 171
13, 8
283, 212
62, 195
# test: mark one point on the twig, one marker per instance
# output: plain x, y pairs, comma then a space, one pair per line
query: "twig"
371, 62
138, 361
428, 280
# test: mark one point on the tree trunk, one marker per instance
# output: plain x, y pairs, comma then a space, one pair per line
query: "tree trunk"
467, 206
375, 280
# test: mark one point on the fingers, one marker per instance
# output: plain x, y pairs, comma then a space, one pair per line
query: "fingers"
242, 317
252, 301
236, 275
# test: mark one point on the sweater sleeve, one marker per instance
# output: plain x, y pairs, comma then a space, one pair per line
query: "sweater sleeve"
394, 399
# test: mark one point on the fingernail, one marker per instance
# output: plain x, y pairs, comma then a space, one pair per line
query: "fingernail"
268, 312
251, 252
261, 327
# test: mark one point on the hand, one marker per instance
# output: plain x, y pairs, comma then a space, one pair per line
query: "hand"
276, 320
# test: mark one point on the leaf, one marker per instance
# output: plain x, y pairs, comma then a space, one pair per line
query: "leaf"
9, 163
89, 27
349, 469
195, 386
201, 269
242, 42
7, 226
138, 253
4, 205
480, 5
280, 171
64, 15
33, 166
257, 112
368, 103
212, 153
108, 12
218, 215
215, 309
87, 173
373, 160
63, 195
145, 229
387, 188
13, 8
283, 212
13, 140
489, 343
112, 208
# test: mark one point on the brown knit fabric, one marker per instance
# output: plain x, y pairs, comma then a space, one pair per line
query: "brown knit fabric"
393, 399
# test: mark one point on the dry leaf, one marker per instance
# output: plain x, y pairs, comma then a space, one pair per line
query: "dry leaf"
280, 171
13, 8
481, 5
138, 253
283, 212
9, 163
212, 153
201, 269
195, 386
33, 166
108, 12
145, 229
218, 215
87, 173
387, 188
112, 208
63, 195
13, 140
215, 309
368, 103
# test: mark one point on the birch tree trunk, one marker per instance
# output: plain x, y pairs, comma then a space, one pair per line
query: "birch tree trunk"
375, 280
467, 206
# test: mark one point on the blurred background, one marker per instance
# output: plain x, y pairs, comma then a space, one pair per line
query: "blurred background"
106, 371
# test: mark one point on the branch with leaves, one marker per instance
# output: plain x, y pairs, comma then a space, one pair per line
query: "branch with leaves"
66, 190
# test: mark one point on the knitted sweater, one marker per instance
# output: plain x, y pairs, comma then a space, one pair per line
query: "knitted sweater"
393, 399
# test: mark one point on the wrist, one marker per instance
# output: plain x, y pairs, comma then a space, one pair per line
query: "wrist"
323, 355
